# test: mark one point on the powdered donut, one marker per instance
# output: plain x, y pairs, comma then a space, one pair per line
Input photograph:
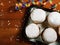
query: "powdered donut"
32, 31
49, 35
38, 15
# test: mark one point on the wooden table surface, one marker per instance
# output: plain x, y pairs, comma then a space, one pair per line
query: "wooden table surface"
11, 22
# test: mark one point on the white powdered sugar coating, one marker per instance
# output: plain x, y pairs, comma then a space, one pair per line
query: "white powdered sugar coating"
49, 35
38, 15
54, 19
32, 31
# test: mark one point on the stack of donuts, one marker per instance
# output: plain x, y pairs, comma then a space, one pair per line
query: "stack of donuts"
43, 26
